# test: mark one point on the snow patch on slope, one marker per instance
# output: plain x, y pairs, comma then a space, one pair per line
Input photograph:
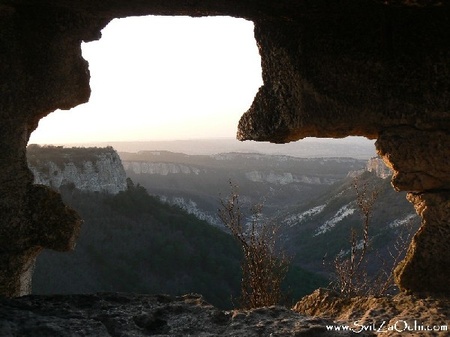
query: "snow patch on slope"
296, 219
191, 207
402, 222
340, 215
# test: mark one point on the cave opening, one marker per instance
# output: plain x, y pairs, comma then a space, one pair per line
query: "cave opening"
152, 86
164, 78
160, 78
383, 70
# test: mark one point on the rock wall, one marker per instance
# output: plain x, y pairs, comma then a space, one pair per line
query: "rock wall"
377, 71
331, 68
285, 178
101, 173
402, 314
159, 168
378, 166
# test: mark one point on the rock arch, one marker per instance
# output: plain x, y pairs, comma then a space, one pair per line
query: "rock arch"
379, 69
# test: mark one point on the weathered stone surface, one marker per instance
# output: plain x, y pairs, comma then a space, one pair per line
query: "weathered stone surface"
112, 314
386, 316
377, 166
331, 68
421, 163
323, 77
41, 69
420, 159
425, 268
49, 224
144, 315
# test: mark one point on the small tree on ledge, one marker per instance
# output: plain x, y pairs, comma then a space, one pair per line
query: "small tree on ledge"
263, 267
351, 271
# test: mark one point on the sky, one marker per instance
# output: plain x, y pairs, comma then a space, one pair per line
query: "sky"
162, 78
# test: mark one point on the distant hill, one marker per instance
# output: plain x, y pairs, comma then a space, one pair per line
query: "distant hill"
197, 182
312, 198
135, 242
321, 229
132, 242
353, 147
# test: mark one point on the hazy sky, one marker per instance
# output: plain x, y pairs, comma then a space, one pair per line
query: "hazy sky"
161, 78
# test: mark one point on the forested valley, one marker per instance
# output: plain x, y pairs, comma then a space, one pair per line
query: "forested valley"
132, 242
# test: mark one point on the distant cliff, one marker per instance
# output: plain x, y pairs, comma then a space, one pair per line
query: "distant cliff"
88, 169
163, 169
254, 167
196, 183
377, 166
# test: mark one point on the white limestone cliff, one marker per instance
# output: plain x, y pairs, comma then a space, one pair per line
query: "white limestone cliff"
99, 170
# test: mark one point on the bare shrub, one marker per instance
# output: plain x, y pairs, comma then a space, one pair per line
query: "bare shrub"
351, 277
383, 283
264, 266
351, 270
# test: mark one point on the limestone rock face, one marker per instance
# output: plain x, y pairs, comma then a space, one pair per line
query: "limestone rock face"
377, 166
160, 168
420, 159
127, 315
284, 178
52, 225
316, 75
316, 71
429, 250
331, 68
41, 69
387, 316
103, 172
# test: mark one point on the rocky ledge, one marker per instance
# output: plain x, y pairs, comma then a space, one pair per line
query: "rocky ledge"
400, 315
323, 313
112, 314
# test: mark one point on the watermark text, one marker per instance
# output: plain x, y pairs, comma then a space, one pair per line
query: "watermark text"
385, 326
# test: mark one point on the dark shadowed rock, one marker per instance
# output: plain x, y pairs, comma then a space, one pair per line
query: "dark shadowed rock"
126, 315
